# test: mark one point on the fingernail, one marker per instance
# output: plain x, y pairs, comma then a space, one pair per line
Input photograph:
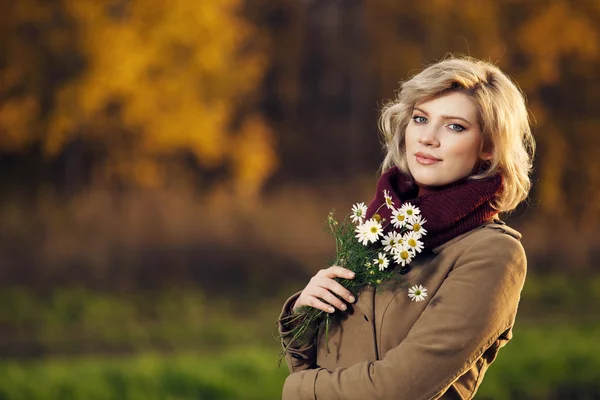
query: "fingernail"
330, 309
351, 299
351, 274
343, 307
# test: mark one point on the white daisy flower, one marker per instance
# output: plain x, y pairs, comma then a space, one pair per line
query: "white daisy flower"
388, 200
411, 239
409, 210
369, 232
361, 235
416, 225
381, 261
399, 244
398, 218
359, 210
390, 240
374, 230
404, 255
417, 293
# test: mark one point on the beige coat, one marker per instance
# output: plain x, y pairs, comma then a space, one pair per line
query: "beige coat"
388, 347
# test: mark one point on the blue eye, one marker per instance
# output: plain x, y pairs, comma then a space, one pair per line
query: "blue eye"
456, 127
419, 119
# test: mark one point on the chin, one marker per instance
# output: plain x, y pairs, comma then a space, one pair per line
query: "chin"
432, 180
427, 179
434, 177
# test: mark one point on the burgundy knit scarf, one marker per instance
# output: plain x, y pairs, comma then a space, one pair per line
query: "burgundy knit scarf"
452, 211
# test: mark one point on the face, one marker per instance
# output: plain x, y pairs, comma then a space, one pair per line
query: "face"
443, 140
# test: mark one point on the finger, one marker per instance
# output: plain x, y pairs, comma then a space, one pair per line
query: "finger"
330, 298
318, 304
338, 289
338, 272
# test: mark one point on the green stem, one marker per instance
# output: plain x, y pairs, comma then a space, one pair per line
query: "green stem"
327, 332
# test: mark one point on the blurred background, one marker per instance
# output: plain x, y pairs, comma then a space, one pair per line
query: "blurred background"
166, 167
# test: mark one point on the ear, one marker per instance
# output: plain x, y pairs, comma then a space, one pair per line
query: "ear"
486, 155
486, 151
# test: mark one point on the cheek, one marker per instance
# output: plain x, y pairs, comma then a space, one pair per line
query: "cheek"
409, 137
466, 149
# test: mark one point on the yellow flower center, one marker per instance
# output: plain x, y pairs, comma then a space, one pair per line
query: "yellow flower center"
389, 201
412, 242
377, 217
404, 255
409, 212
417, 292
380, 261
374, 229
416, 227
372, 272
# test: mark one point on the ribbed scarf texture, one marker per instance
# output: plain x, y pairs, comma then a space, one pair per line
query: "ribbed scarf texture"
452, 211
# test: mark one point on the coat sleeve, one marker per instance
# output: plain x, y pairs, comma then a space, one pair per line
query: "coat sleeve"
476, 303
297, 357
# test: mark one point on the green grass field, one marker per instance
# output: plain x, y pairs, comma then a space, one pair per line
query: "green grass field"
539, 363
182, 345
243, 373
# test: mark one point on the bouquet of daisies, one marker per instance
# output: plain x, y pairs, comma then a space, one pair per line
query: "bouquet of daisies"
363, 248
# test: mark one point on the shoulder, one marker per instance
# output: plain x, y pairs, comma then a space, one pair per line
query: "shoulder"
496, 240
495, 247
495, 233
492, 244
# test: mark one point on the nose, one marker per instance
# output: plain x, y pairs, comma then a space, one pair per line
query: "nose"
428, 136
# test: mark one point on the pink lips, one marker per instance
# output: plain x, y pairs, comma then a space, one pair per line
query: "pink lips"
426, 159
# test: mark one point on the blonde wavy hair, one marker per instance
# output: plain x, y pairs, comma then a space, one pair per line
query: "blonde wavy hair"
502, 114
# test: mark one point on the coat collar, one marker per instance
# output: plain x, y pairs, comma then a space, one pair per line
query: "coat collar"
495, 223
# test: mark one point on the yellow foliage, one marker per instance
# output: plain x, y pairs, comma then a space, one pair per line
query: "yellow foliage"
175, 68
18, 117
253, 157
20, 113
556, 31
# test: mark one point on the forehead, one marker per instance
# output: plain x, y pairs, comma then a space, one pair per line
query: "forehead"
451, 103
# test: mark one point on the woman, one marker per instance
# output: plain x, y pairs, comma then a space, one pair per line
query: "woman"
459, 147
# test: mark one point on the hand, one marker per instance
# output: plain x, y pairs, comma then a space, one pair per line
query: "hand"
322, 286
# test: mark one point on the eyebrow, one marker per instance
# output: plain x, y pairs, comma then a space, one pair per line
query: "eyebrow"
443, 116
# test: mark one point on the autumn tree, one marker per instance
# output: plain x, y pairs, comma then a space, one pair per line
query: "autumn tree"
164, 81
